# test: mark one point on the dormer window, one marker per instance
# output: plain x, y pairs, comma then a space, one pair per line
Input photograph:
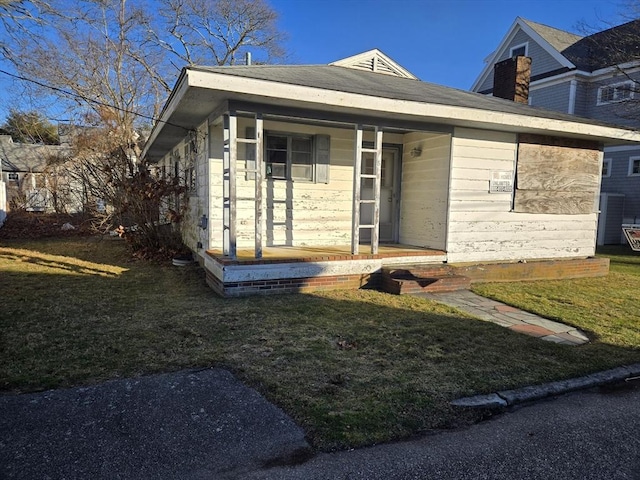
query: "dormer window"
519, 50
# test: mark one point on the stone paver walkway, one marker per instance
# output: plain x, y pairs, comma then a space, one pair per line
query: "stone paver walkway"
509, 317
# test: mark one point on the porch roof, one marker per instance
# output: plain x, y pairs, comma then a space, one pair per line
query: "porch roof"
337, 90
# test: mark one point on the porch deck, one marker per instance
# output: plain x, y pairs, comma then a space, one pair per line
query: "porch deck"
271, 255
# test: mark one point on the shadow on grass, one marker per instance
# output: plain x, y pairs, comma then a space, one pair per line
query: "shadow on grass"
57, 264
353, 368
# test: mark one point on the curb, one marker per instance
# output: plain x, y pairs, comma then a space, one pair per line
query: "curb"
507, 398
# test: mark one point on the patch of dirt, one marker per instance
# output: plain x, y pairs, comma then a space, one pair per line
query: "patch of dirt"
31, 225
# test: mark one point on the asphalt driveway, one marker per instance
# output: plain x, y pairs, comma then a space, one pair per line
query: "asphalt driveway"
185, 425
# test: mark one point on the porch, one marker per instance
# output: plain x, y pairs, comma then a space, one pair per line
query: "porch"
304, 269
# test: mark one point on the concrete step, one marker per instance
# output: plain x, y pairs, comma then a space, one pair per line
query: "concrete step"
402, 281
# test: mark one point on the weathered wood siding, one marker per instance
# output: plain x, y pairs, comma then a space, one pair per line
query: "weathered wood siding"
482, 226
297, 213
425, 183
194, 203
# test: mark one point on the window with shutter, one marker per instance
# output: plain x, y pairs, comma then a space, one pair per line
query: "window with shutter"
297, 157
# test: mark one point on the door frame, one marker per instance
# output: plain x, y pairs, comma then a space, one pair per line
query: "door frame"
395, 189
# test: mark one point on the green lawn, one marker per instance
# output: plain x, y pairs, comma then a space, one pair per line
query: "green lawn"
352, 368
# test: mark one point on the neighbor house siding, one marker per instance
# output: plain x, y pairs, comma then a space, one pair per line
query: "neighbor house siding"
582, 98
554, 97
620, 182
541, 63
425, 179
482, 226
621, 113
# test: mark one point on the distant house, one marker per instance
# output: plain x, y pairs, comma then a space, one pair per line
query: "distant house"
30, 183
314, 177
596, 77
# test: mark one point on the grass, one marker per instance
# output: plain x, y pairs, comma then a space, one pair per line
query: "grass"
607, 307
353, 368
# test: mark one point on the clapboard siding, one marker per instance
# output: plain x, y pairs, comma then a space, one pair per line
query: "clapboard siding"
620, 113
425, 178
554, 97
482, 226
296, 213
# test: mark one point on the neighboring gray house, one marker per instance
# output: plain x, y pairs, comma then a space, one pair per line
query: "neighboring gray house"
596, 77
312, 177
30, 181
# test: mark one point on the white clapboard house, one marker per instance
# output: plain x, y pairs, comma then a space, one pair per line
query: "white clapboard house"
323, 176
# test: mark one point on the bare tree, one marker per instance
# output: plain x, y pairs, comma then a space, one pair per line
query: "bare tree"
218, 32
111, 63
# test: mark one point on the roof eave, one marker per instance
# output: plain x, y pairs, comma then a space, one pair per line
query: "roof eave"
209, 90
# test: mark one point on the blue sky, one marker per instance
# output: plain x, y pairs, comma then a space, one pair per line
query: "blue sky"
439, 41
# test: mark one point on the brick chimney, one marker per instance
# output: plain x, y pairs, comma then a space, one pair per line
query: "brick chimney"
511, 79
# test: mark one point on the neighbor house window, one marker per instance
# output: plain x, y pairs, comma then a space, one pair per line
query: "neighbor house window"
289, 157
616, 92
634, 166
12, 176
606, 167
519, 50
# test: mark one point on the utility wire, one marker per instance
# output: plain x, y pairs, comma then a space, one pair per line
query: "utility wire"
90, 100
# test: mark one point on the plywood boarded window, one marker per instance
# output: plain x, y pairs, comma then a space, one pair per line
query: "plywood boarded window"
557, 175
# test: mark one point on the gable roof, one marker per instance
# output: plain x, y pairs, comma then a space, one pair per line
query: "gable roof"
541, 34
558, 39
374, 61
332, 93
614, 46
25, 157
603, 49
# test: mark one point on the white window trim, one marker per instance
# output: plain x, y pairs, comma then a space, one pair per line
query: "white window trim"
631, 160
607, 161
515, 47
614, 85
13, 176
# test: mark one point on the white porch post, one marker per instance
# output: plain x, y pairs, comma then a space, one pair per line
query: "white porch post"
357, 171
259, 221
229, 160
375, 233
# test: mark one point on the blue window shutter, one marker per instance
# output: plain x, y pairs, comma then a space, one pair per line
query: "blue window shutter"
250, 153
322, 147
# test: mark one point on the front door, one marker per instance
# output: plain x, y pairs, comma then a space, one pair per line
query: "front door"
388, 195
